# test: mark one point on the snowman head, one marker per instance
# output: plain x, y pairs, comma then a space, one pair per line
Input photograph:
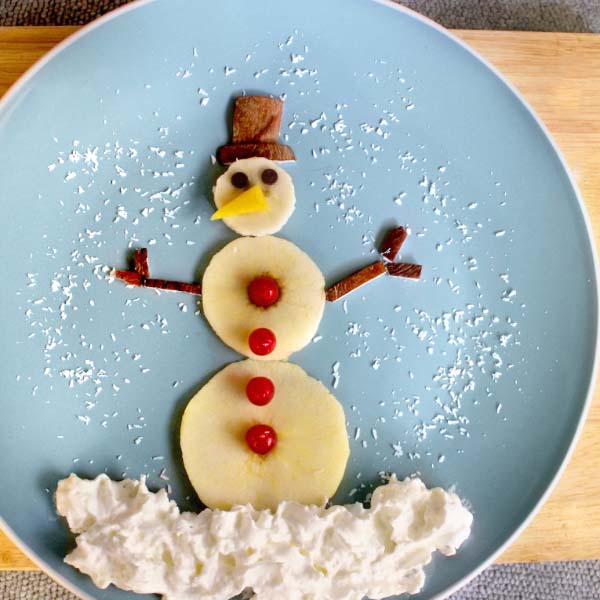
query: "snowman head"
255, 196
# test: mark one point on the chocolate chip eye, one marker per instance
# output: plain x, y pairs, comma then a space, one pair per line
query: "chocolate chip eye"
269, 176
239, 180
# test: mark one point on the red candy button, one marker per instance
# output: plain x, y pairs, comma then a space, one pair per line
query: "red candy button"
260, 390
261, 439
263, 291
262, 341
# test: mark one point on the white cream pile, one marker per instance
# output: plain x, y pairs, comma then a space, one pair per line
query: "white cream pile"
140, 541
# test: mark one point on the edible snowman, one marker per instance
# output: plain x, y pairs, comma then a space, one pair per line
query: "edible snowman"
262, 441
262, 431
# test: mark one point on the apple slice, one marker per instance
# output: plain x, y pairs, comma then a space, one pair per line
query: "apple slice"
308, 460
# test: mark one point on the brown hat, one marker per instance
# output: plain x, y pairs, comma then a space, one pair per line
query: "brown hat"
256, 124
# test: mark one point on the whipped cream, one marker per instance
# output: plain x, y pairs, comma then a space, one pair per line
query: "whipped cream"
140, 541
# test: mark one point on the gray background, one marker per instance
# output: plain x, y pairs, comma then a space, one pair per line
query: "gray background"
531, 15
578, 580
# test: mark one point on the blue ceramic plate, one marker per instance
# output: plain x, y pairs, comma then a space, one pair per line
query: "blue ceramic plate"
476, 377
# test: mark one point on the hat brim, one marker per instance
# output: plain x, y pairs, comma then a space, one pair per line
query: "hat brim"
271, 150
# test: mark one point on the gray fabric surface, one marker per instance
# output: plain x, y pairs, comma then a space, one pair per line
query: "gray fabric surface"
54, 12
529, 15
579, 580
522, 15
545, 581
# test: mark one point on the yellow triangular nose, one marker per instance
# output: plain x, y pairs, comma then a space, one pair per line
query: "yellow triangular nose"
249, 201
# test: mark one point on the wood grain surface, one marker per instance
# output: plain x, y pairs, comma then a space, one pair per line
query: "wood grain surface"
559, 74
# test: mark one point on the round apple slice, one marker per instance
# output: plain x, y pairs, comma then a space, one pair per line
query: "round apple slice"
295, 315
308, 460
276, 187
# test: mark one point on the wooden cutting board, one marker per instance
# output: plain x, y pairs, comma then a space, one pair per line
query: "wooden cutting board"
559, 74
